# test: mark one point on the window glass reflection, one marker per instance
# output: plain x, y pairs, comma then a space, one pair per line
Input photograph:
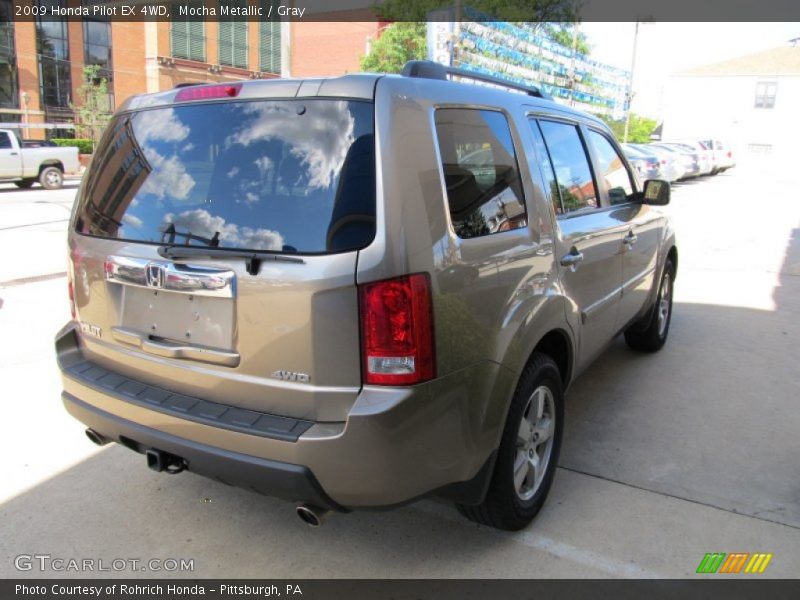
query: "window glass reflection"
284, 176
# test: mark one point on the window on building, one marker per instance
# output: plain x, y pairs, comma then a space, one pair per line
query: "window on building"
9, 87
269, 46
52, 47
484, 190
97, 49
765, 94
611, 168
233, 38
571, 165
188, 37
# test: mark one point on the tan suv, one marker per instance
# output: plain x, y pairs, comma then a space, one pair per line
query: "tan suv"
356, 292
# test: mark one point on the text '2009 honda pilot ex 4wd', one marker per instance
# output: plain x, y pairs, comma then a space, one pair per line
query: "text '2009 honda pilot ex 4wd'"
356, 292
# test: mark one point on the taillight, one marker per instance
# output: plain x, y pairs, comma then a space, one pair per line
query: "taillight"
71, 292
208, 92
397, 331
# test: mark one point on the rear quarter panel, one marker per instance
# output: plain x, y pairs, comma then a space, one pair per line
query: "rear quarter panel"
494, 296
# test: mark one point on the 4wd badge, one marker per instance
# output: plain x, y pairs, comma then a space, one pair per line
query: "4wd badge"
291, 376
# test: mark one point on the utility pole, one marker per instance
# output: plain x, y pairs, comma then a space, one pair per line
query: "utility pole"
573, 73
630, 87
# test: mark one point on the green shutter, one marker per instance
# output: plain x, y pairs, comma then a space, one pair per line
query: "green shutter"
188, 38
270, 46
197, 40
233, 40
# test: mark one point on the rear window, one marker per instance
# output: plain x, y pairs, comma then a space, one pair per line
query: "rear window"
284, 176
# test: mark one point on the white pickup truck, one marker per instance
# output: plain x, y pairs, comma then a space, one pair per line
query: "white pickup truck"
25, 166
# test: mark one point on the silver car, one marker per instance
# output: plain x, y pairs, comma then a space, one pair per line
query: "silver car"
356, 292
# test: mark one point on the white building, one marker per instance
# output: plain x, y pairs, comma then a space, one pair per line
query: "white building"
751, 102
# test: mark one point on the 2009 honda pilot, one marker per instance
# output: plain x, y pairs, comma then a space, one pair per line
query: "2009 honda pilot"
355, 292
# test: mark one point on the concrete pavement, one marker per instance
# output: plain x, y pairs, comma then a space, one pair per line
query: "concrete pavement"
666, 456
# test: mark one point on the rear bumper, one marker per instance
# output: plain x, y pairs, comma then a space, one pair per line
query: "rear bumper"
398, 444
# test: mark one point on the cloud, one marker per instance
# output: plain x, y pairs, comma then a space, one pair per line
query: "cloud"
160, 125
319, 138
132, 220
168, 176
202, 223
264, 164
251, 197
233, 172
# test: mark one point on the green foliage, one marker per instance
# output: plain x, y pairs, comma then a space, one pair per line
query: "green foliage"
84, 145
92, 112
399, 43
563, 33
503, 10
638, 132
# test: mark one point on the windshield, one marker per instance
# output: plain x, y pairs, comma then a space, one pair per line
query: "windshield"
283, 176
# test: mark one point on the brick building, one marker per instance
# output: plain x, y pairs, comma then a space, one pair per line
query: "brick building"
41, 62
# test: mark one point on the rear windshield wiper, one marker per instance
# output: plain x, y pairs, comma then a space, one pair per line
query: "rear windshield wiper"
254, 258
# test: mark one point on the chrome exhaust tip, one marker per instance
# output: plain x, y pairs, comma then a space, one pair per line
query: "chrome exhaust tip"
97, 438
313, 516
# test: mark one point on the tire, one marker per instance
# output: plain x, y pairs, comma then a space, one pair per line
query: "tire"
24, 184
512, 504
51, 178
653, 337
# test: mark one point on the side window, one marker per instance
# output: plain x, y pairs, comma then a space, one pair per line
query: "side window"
484, 191
5, 141
612, 170
571, 165
547, 168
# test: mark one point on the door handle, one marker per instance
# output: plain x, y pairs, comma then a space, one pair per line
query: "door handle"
572, 260
14, 154
630, 239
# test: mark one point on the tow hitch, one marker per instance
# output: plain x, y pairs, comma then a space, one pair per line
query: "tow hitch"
163, 461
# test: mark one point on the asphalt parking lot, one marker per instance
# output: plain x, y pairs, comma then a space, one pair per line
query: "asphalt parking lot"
666, 456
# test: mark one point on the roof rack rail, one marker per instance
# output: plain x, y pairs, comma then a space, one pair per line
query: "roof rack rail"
427, 69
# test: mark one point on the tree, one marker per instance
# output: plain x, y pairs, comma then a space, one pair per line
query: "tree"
92, 112
535, 11
638, 132
399, 43
562, 33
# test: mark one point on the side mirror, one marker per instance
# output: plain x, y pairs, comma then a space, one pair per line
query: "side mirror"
656, 192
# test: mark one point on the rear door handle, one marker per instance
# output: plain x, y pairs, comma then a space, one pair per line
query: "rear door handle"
630, 239
572, 260
14, 154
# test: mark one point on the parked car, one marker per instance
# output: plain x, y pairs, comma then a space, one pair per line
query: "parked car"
688, 158
25, 166
705, 156
647, 165
297, 286
672, 169
722, 155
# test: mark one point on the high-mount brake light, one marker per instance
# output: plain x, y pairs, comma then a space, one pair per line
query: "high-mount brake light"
397, 331
208, 92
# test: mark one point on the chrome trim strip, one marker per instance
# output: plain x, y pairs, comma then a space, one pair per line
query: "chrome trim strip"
634, 281
597, 305
171, 350
171, 277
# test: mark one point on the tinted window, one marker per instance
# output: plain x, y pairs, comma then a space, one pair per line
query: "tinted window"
612, 169
547, 169
573, 173
5, 141
285, 176
484, 191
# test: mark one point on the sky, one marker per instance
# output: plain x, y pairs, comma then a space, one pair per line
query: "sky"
664, 48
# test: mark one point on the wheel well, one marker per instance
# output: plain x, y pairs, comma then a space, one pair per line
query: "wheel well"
51, 163
673, 256
557, 346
